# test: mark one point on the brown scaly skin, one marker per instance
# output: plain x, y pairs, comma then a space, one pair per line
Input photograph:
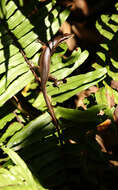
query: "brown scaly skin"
44, 63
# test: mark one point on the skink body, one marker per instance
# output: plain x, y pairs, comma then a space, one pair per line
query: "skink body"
44, 63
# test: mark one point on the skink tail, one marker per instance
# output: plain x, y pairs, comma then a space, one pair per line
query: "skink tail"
51, 111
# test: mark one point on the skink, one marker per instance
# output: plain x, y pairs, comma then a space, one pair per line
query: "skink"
44, 63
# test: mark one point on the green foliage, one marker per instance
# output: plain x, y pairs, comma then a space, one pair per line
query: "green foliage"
16, 175
19, 34
34, 136
107, 55
2, 9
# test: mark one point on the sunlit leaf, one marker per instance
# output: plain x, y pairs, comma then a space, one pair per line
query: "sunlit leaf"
17, 176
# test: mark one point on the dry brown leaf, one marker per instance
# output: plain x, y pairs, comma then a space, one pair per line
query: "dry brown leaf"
115, 114
113, 162
104, 125
80, 96
101, 143
66, 28
114, 84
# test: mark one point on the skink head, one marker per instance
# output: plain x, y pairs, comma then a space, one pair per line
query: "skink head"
58, 40
64, 37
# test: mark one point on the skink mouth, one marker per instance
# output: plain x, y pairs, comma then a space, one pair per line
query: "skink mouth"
66, 36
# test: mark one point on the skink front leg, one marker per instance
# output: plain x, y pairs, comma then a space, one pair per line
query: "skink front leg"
55, 81
34, 69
